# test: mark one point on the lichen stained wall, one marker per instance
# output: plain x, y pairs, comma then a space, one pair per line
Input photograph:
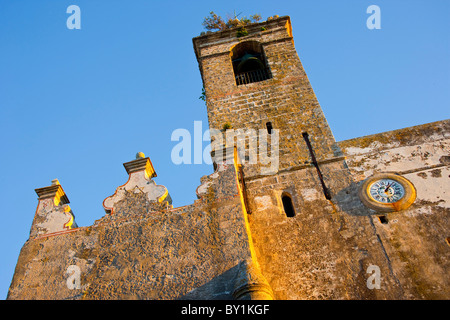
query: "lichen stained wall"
324, 251
144, 250
415, 239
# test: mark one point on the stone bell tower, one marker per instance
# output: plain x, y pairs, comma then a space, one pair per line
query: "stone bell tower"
257, 81
254, 80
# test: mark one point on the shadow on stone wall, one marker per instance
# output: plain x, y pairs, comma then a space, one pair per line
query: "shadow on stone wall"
347, 200
218, 288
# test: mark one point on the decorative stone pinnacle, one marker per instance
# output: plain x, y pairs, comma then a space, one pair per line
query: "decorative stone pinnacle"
140, 155
140, 181
140, 164
54, 191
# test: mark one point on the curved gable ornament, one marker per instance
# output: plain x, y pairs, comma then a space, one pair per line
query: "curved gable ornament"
140, 172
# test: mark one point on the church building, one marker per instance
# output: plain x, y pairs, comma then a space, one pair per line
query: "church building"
289, 212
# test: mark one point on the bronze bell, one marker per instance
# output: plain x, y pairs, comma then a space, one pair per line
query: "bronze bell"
249, 62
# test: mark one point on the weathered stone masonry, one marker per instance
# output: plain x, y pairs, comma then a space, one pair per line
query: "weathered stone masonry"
238, 240
144, 249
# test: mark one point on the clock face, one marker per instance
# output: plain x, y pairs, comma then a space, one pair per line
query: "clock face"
386, 191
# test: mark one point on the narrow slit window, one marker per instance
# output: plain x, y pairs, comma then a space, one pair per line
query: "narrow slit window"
288, 205
269, 127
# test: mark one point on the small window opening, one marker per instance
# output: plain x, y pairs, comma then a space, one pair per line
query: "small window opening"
287, 205
383, 219
269, 127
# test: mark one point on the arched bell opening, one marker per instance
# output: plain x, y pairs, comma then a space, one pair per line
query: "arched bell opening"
249, 63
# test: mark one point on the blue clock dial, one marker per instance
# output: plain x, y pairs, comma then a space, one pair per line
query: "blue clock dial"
386, 191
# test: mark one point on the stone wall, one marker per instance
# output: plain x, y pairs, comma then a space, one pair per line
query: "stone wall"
324, 252
327, 248
416, 240
143, 249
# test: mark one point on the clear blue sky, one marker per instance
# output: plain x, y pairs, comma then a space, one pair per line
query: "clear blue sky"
76, 104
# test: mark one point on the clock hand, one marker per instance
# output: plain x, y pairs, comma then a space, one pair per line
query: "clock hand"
387, 187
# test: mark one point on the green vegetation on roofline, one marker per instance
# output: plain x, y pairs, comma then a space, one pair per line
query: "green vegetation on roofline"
215, 22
